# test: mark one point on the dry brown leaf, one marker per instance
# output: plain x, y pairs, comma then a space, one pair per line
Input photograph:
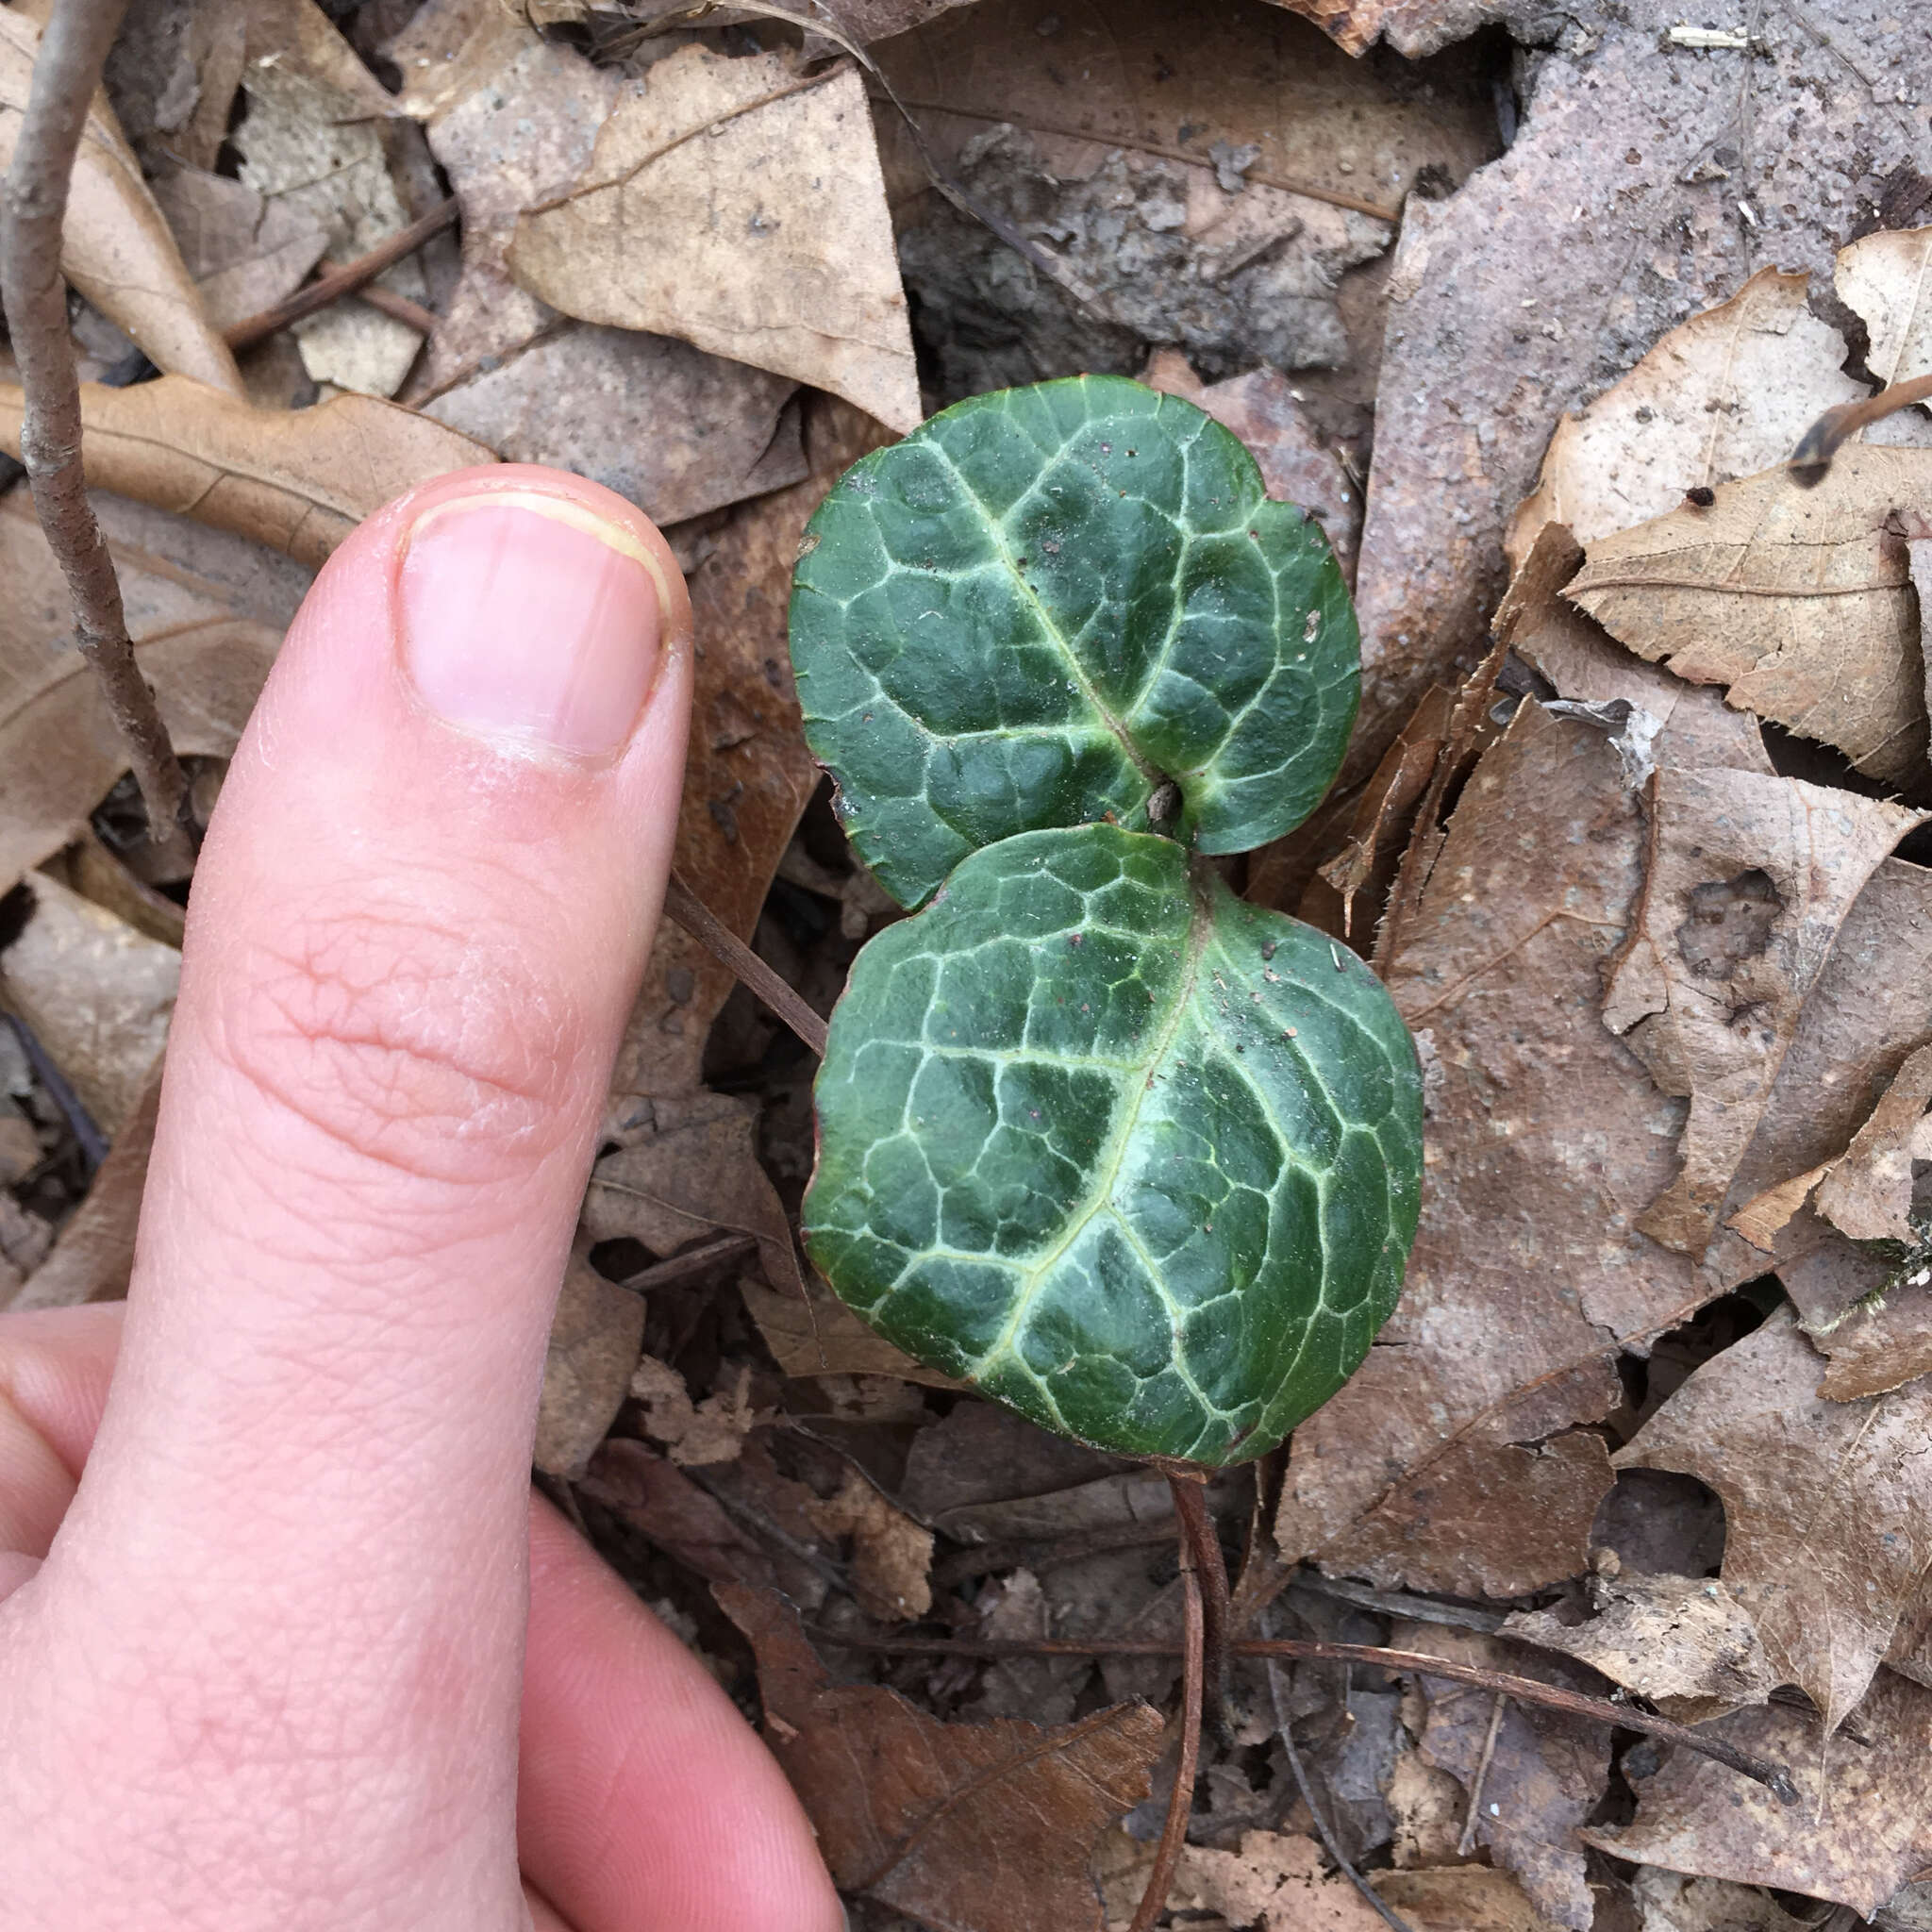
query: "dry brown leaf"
693, 1432
1533, 1775
1725, 394
116, 248
94, 1254
968, 1827
666, 1507
1885, 278
1459, 1898
97, 994
1277, 1882
1799, 602
1826, 1503
1671, 1903
1451, 1461
892, 1555
1879, 1346
1612, 217
314, 138
60, 752
1868, 1194
296, 480
1858, 1832
1682, 1642
596, 1337
737, 205
245, 252
1749, 879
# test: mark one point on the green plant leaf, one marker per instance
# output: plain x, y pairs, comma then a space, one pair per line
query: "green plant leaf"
1138, 1159
1043, 604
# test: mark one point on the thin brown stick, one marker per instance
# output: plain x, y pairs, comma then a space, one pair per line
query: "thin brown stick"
1284, 1729
74, 48
729, 1247
387, 302
1202, 1543
1810, 462
1472, 1815
347, 280
1180, 1801
1775, 1777
684, 906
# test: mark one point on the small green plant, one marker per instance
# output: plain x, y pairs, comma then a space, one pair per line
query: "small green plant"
1135, 1158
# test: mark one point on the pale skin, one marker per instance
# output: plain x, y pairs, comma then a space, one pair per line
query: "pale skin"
286, 1640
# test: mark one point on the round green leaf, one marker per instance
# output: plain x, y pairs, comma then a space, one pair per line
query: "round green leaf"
1046, 603
1138, 1159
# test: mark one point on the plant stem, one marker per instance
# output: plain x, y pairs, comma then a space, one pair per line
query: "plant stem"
344, 280
686, 909
1201, 1543
1180, 1801
1775, 1777
74, 49
1811, 459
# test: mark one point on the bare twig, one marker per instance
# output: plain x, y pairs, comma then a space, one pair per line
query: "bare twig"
1201, 1548
1775, 1777
1474, 1812
1810, 462
347, 280
684, 906
74, 49
387, 302
695, 1262
1284, 1729
1180, 1801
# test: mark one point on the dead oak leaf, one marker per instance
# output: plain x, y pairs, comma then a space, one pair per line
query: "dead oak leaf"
966, 1827
296, 480
1826, 1503
739, 205
1858, 1832
1798, 601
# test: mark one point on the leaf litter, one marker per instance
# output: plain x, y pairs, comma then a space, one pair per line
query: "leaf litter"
1646, 884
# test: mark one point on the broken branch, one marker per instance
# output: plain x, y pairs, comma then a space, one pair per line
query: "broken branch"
684, 907
1810, 462
347, 280
74, 49
1775, 1777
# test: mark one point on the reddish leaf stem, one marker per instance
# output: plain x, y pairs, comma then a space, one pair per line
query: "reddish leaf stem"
1180, 1801
1202, 1543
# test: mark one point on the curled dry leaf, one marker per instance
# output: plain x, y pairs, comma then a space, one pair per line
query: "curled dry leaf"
1748, 880
297, 480
1884, 278
116, 248
1862, 1827
1825, 1504
1724, 394
967, 1827
1682, 1642
1798, 601
738, 204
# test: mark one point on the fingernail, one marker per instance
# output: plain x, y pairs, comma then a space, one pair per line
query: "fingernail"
531, 620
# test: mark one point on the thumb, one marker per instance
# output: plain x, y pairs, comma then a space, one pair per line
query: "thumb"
415, 932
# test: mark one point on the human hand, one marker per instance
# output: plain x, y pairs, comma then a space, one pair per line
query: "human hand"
269, 1674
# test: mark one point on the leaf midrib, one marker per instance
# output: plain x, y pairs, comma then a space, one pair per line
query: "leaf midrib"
1200, 931
1149, 772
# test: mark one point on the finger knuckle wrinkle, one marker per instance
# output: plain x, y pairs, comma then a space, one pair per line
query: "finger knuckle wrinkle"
426, 1049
